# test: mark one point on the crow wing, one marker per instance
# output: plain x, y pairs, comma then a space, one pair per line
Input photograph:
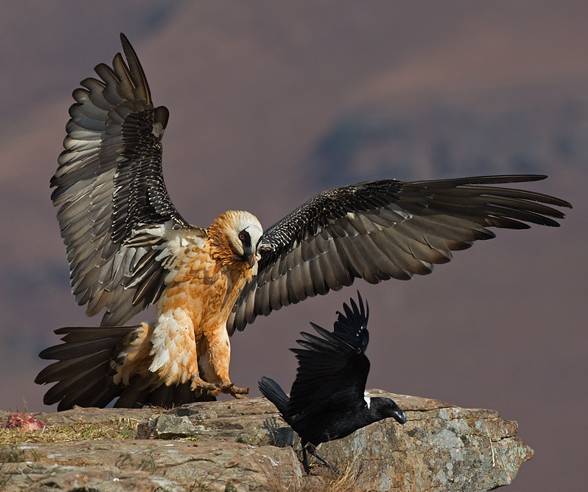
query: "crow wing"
332, 366
114, 210
351, 325
380, 230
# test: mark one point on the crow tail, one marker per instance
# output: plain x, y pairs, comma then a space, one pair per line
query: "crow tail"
274, 393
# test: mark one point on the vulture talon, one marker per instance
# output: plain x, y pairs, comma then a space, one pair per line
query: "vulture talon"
235, 391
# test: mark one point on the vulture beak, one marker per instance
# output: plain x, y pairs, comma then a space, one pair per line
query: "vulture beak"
252, 259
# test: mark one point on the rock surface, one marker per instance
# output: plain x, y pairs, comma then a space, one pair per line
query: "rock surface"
235, 446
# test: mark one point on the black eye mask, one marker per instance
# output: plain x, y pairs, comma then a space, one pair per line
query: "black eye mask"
245, 238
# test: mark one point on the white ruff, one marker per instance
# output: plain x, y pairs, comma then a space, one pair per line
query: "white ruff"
367, 399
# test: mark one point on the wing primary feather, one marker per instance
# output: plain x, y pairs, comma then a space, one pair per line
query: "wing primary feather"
137, 73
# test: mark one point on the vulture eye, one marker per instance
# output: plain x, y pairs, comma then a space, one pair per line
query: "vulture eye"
245, 238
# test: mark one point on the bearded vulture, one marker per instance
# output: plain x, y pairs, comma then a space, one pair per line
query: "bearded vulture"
129, 248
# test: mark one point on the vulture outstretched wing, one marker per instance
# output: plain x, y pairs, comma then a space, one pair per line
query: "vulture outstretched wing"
113, 205
380, 230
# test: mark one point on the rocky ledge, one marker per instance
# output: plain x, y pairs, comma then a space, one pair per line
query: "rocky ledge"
243, 445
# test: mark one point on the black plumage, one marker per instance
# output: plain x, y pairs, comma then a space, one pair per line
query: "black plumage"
327, 398
380, 230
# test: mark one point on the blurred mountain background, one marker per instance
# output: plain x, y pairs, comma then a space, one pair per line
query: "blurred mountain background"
271, 102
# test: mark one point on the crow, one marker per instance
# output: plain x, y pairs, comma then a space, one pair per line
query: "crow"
327, 400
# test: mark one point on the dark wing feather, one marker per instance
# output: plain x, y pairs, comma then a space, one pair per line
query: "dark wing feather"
332, 367
109, 189
85, 365
351, 325
381, 230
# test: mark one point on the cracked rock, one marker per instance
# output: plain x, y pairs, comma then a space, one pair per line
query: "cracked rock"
167, 427
243, 445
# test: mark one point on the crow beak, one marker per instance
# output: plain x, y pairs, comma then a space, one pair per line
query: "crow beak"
399, 416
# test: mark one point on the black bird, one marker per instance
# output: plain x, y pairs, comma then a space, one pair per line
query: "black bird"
327, 400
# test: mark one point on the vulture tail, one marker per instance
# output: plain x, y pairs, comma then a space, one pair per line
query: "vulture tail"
86, 364
85, 367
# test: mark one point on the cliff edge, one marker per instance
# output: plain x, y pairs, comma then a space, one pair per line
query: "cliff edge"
242, 445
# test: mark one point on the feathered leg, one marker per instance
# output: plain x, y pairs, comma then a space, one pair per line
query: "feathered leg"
174, 352
214, 359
